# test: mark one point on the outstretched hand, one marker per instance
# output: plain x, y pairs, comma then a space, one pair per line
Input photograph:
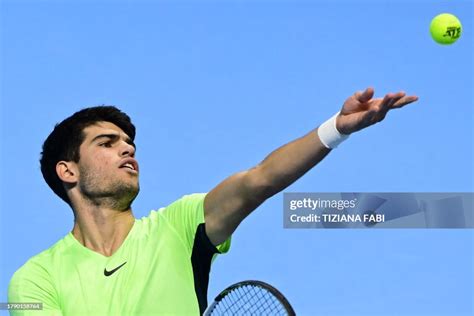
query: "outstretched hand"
360, 110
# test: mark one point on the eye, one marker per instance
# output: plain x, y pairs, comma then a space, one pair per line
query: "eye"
106, 144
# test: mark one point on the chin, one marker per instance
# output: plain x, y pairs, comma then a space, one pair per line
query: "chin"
125, 198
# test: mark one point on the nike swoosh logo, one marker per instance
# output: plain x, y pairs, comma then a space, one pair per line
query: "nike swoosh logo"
109, 273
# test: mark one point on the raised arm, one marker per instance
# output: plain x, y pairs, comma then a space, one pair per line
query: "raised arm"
232, 200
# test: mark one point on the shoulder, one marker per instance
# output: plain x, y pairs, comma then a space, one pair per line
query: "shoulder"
35, 278
43, 263
185, 204
187, 200
180, 218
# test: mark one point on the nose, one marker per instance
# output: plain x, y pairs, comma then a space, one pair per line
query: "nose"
127, 150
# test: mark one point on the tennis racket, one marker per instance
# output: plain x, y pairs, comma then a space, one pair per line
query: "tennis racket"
250, 298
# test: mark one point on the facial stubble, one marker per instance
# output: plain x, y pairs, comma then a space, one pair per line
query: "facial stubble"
111, 192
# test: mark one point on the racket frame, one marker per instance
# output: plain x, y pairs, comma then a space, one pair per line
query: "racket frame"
280, 297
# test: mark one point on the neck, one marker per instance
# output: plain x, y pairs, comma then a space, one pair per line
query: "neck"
102, 229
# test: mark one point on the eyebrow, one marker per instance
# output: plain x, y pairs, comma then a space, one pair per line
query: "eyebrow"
113, 137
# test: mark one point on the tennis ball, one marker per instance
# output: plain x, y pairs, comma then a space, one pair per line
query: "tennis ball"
445, 28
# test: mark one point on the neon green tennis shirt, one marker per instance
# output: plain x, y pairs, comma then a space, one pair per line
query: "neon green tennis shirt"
162, 268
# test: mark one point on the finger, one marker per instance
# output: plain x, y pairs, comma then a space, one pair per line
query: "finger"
380, 110
374, 113
384, 104
404, 101
395, 98
364, 96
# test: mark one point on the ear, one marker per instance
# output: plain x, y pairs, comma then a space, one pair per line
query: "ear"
67, 171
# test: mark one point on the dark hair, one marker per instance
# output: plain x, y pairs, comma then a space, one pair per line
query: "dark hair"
64, 141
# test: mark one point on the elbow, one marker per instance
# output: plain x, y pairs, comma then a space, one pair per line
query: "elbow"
259, 185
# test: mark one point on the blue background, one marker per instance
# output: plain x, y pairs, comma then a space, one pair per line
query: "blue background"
214, 87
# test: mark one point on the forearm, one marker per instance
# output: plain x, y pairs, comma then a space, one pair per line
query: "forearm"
288, 163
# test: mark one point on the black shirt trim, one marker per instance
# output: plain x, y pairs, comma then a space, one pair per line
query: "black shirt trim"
203, 251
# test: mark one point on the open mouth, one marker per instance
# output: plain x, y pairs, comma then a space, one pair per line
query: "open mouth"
130, 165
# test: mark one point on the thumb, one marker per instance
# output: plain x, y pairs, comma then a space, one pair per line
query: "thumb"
365, 96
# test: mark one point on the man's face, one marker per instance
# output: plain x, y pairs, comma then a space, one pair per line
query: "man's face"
108, 170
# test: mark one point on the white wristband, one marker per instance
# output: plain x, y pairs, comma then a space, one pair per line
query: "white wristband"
329, 135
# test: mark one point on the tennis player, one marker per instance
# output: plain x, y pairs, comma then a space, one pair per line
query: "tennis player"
114, 264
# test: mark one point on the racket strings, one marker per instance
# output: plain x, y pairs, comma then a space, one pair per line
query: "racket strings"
249, 300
